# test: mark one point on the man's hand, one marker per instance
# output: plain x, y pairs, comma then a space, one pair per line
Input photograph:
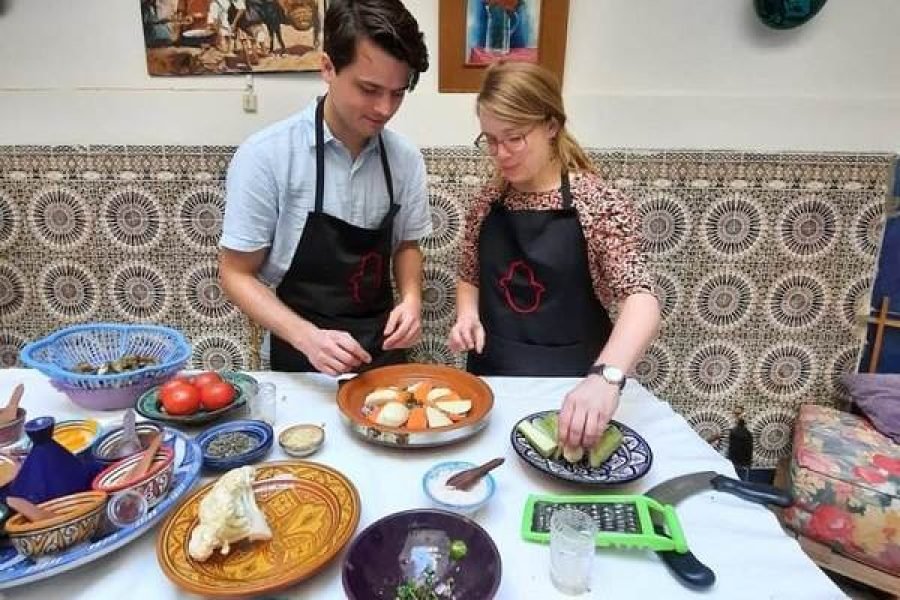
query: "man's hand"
467, 334
586, 411
404, 325
334, 352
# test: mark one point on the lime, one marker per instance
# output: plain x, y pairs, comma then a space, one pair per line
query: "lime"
458, 549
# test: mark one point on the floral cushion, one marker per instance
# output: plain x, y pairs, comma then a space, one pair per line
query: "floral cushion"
845, 477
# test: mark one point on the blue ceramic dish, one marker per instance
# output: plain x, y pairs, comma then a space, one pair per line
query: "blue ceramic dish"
105, 449
260, 433
458, 501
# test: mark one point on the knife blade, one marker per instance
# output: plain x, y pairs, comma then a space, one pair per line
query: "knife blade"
677, 489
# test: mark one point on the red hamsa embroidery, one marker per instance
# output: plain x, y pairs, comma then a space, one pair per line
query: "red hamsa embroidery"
536, 287
367, 276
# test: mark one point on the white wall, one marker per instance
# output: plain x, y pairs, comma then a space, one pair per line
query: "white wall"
640, 74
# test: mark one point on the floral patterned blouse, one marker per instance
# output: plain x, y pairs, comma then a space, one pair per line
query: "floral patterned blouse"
608, 219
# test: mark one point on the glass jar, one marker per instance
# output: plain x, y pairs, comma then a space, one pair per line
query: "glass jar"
263, 408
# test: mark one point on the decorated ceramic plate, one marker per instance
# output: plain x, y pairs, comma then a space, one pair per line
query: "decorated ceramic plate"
76, 436
352, 397
630, 461
150, 407
401, 547
312, 510
16, 570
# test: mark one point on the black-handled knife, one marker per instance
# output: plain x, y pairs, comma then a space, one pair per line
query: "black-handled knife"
686, 567
760, 493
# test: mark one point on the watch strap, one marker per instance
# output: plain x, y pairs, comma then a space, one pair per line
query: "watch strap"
598, 370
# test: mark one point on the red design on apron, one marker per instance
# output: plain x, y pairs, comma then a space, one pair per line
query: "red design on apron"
536, 286
363, 272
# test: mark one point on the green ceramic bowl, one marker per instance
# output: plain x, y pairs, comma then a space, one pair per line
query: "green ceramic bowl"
149, 405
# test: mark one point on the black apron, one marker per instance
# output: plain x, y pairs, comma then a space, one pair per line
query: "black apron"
339, 277
536, 300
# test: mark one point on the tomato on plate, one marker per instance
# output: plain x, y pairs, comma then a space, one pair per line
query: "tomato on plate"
175, 382
182, 399
206, 378
216, 395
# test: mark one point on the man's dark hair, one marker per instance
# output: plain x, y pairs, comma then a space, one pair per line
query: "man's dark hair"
387, 23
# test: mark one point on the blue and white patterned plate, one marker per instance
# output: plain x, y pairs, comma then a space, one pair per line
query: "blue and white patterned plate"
16, 570
258, 431
631, 461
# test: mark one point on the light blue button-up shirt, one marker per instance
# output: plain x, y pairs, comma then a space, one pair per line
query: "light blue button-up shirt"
271, 188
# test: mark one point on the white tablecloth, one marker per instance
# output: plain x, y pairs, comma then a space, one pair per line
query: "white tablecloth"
741, 542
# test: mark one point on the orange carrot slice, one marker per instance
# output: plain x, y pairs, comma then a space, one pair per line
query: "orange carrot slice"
417, 420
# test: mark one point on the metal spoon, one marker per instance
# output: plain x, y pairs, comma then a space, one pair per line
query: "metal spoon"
130, 443
466, 479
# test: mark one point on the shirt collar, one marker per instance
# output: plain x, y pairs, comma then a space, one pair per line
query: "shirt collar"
309, 114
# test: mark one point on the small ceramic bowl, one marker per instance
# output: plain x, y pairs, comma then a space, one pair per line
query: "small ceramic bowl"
80, 516
464, 502
105, 449
235, 444
154, 485
76, 436
12, 431
301, 440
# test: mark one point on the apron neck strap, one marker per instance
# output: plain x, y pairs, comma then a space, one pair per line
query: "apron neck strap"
320, 160
566, 191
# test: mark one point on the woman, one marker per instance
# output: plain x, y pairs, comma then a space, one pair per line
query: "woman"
548, 249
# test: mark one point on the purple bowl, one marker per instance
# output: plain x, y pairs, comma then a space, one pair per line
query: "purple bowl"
106, 398
372, 566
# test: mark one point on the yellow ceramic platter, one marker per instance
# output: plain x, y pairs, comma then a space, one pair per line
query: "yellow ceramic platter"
312, 517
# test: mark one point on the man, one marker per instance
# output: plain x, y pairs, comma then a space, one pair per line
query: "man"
323, 204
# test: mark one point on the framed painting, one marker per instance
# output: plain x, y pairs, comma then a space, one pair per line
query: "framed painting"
475, 33
215, 37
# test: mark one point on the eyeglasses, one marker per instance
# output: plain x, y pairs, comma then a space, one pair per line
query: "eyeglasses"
513, 144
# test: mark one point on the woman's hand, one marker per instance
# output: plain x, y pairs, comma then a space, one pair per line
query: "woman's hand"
467, 334
586, 411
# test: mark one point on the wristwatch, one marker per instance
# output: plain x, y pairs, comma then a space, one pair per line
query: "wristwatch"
611, 374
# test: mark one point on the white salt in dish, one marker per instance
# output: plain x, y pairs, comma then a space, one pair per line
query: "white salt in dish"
434, 484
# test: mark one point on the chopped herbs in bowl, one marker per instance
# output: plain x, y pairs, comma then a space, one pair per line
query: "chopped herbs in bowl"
235, 444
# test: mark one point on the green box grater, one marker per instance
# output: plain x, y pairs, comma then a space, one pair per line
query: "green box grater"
625, 521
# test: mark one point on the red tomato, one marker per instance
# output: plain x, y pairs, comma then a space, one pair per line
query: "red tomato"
206, 378
216, 395
181, 399
174, 382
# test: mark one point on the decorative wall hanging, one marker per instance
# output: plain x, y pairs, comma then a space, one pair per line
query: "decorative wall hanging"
215, 37
475, 33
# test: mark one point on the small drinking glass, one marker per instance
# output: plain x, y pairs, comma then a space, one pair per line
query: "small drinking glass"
572, 535
264, 404
126, 508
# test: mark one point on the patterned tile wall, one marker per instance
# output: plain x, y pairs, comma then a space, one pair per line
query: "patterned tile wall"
761, 260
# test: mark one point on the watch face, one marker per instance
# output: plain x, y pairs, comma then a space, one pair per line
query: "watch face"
613, 374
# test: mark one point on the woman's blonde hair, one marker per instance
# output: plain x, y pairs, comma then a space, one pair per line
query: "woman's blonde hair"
527, 94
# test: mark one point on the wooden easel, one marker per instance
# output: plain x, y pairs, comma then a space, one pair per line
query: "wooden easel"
822, 554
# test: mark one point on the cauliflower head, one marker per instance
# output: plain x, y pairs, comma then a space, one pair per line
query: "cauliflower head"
228, 513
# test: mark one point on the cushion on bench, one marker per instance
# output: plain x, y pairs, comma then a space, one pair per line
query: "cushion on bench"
845, 477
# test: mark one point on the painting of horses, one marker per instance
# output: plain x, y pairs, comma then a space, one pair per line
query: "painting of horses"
215, 37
